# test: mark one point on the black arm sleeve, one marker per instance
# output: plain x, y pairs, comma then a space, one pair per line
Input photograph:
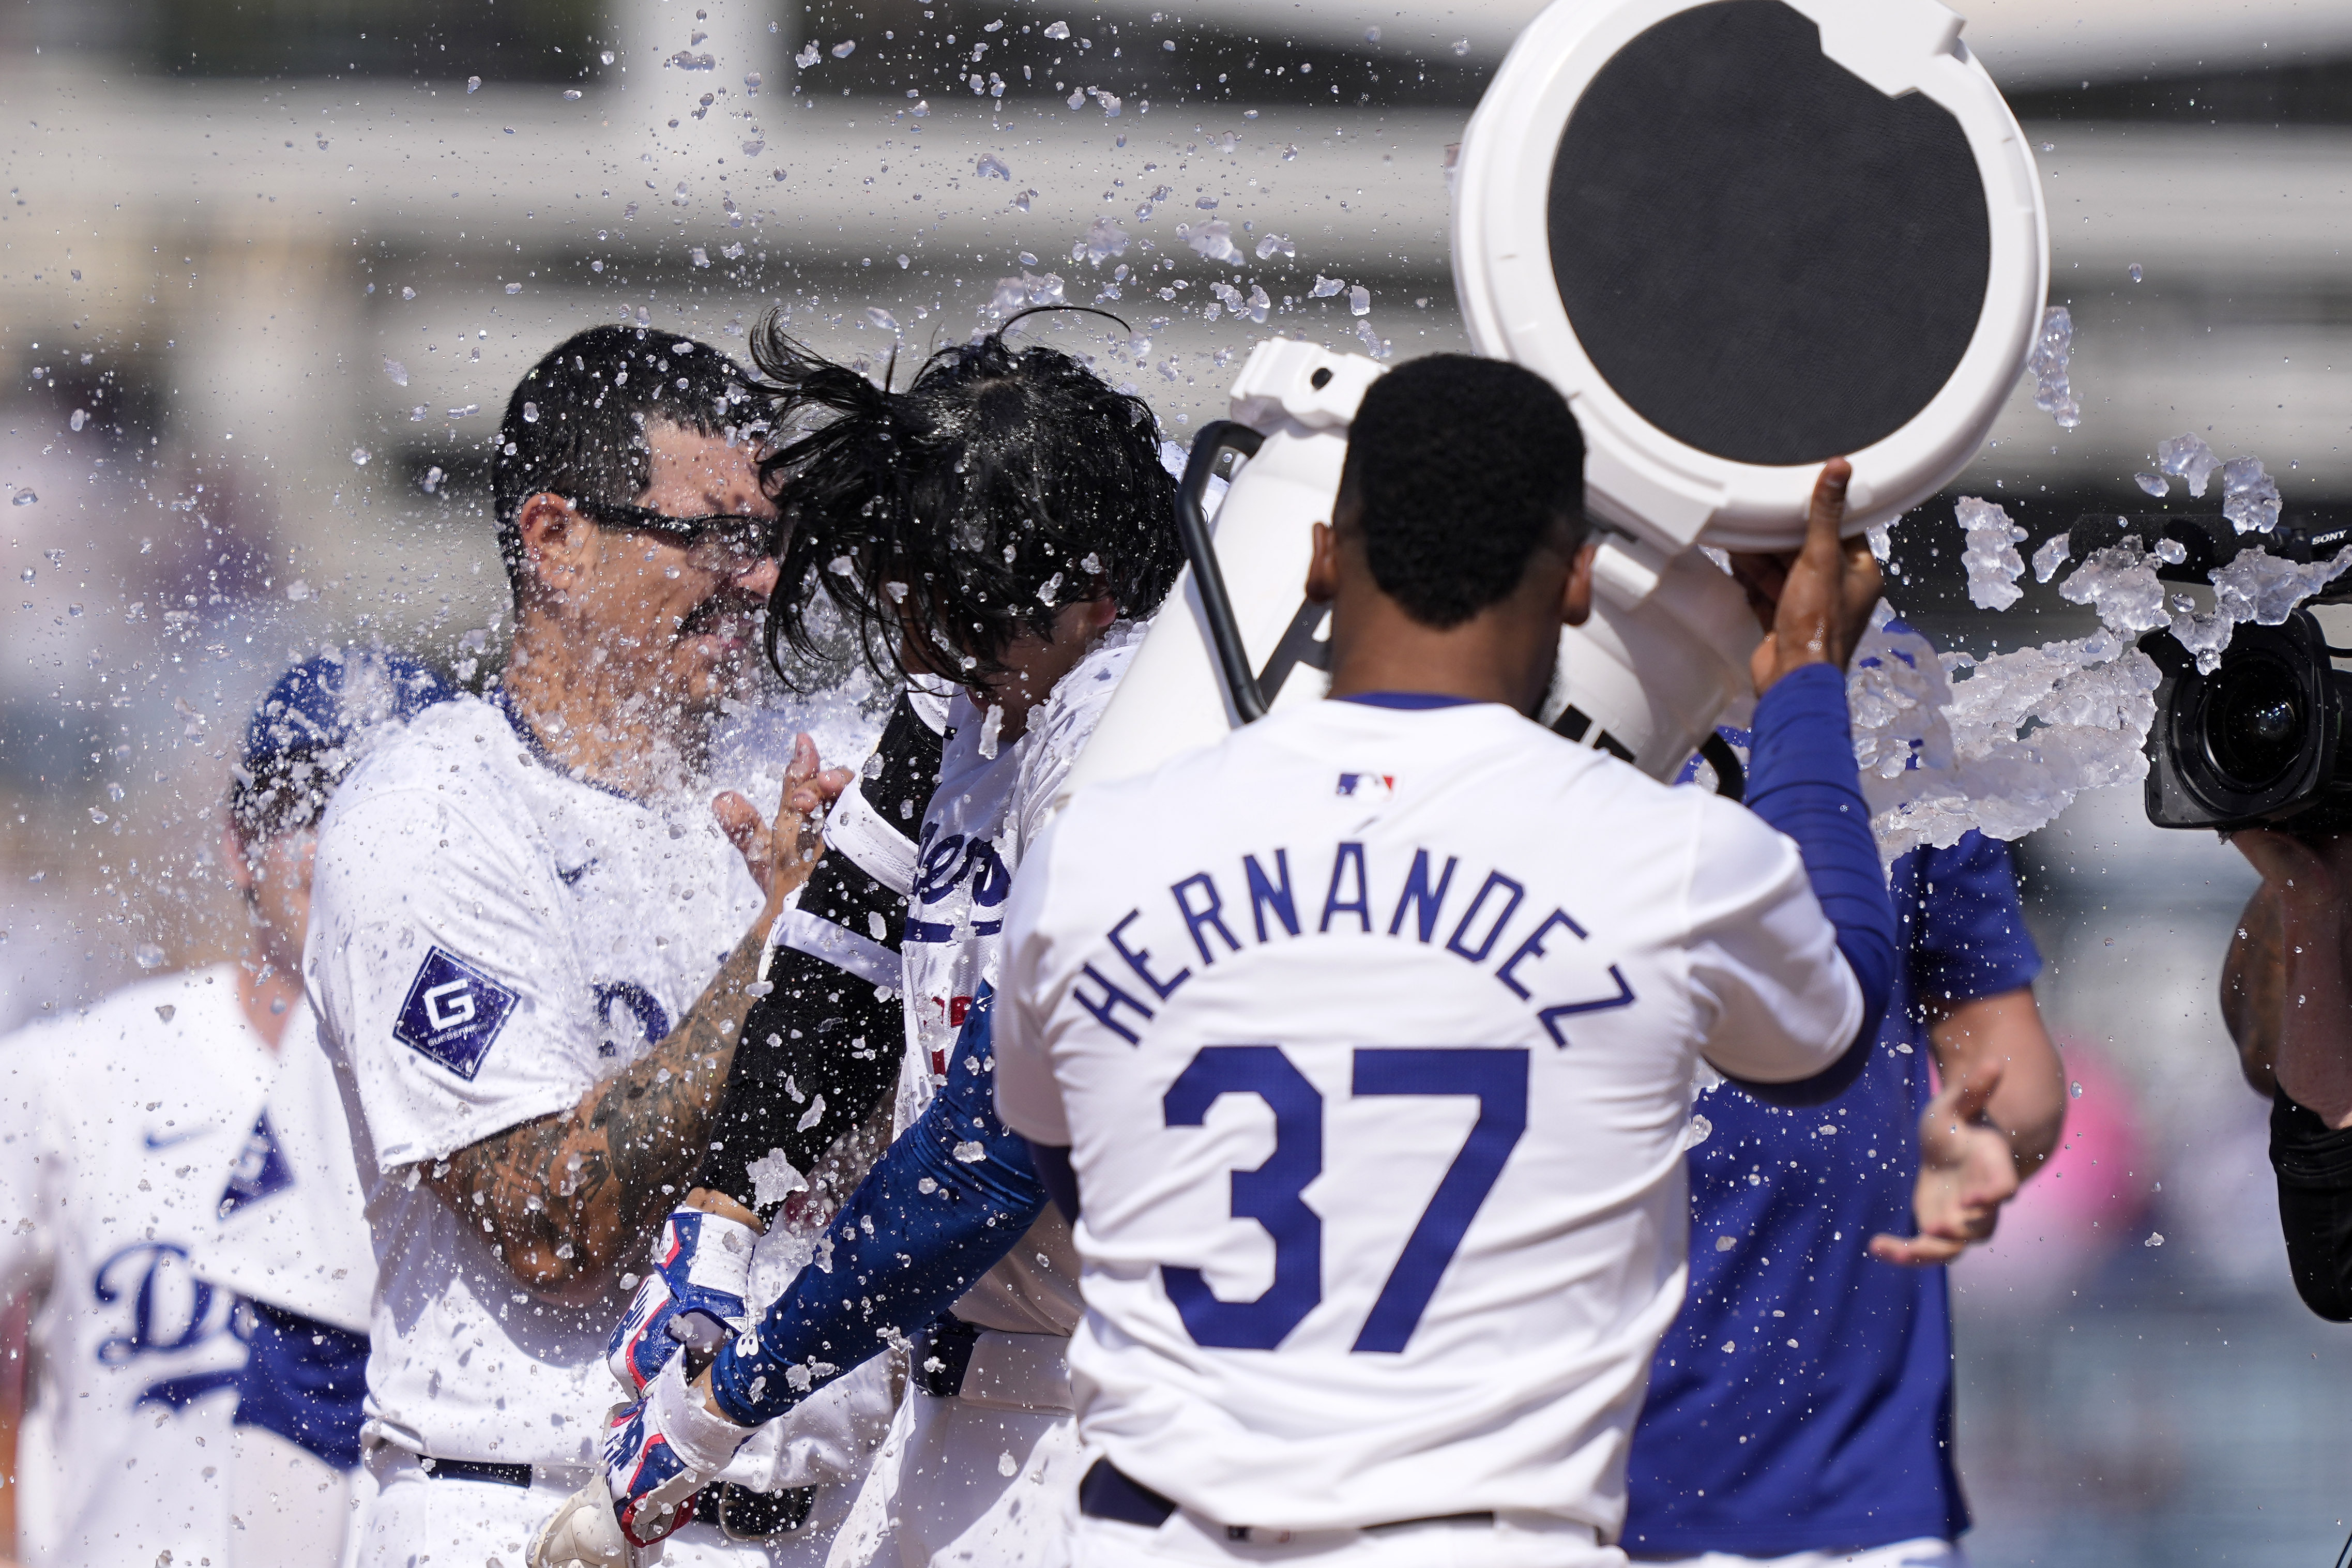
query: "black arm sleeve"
822, 1047
2315, 1186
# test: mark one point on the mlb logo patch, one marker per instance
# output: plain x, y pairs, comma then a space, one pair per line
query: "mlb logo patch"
453, 1013
1367, 785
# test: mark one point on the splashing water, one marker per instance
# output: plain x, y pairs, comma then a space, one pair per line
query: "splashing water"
1214, 239
1103, 239
1990, 554
2052, 350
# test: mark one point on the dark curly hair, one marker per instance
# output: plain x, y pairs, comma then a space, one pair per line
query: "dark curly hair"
1001, 485
1458, 470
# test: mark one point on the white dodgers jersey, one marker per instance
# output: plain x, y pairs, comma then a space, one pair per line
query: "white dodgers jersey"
990, 804
293, 1228
1372, 1031
489, 937
116, 1128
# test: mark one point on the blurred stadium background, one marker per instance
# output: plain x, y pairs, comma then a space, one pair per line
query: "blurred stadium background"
269, 269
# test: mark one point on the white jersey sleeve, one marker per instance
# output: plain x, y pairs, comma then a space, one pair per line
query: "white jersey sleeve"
1774, 998
453, 992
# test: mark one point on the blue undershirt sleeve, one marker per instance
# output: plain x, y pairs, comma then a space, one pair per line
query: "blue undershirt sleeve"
305, 1381
948, 1199
1803, 780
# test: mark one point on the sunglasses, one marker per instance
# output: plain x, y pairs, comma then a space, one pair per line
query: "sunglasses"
733, 532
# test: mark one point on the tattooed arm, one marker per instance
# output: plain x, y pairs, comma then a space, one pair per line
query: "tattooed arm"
564, 1197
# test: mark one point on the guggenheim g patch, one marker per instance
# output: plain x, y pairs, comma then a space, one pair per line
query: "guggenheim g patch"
453, 1013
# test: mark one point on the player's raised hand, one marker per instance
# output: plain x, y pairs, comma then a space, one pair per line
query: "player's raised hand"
1813, 602
1967, 1171
781, 855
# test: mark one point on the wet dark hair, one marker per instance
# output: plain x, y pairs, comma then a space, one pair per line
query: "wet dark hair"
575, 424
1458, 469
1000, 485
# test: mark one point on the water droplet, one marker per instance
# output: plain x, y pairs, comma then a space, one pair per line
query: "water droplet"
2075, 1089
514, 289
473, 84
114, 792
80, 417
2134, 271
149, 956
1372, 35
1057, 29
73, 612
531, 414
843, 49
28, 574
1006, 1465
1462, 46
572, 95
407, 293
881, 318
24, 498
2154, 1239
605, 59
396, 370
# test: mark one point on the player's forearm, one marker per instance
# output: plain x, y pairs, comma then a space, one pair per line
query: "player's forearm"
565, 1198
2005, 1029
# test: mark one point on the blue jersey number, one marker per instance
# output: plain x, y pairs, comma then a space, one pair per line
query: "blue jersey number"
1271, 1194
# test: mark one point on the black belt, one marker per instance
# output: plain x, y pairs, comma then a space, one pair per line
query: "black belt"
470, 1470
740, 1512
1105, 1491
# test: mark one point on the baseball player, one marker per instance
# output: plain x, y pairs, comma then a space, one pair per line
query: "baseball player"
122, 1120
292, 1244
1371, 1032
1801, 1407
1035, 500
533, 945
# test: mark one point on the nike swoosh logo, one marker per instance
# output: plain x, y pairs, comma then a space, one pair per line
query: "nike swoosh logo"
155, 1142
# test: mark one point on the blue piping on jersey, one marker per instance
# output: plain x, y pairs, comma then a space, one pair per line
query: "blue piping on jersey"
504, 701
922, 1226
1802, 779
1409, 702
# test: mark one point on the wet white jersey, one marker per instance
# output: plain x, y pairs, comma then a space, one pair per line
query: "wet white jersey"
1372, 1032
115, 1130
293, 1228
489, 937
990, 803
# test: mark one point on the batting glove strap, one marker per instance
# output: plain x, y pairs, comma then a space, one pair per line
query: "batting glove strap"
702, 1263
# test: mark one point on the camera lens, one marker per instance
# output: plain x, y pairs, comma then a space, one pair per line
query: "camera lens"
2254, 722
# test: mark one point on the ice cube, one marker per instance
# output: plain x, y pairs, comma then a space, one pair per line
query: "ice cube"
1214, 239
2049, 558
396, 370
1103, 239
991, 167
1360, 300
1990, 554
2133, 272
1269, 243
1326, 287
1057, 29
2172, 552
2154, 484
2053, 348
2250, 497
2119, 582
2186, 457
808, 56
881, 318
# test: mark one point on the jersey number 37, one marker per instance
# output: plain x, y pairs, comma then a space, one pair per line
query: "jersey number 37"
1271, 1194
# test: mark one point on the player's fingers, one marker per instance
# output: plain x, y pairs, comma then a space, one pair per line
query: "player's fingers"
740, 821
1826, 514
1914, 1251
1974, 1092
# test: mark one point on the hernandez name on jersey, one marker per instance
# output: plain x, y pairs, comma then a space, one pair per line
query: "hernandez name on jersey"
489, 937
121, 1123
1374, 1053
